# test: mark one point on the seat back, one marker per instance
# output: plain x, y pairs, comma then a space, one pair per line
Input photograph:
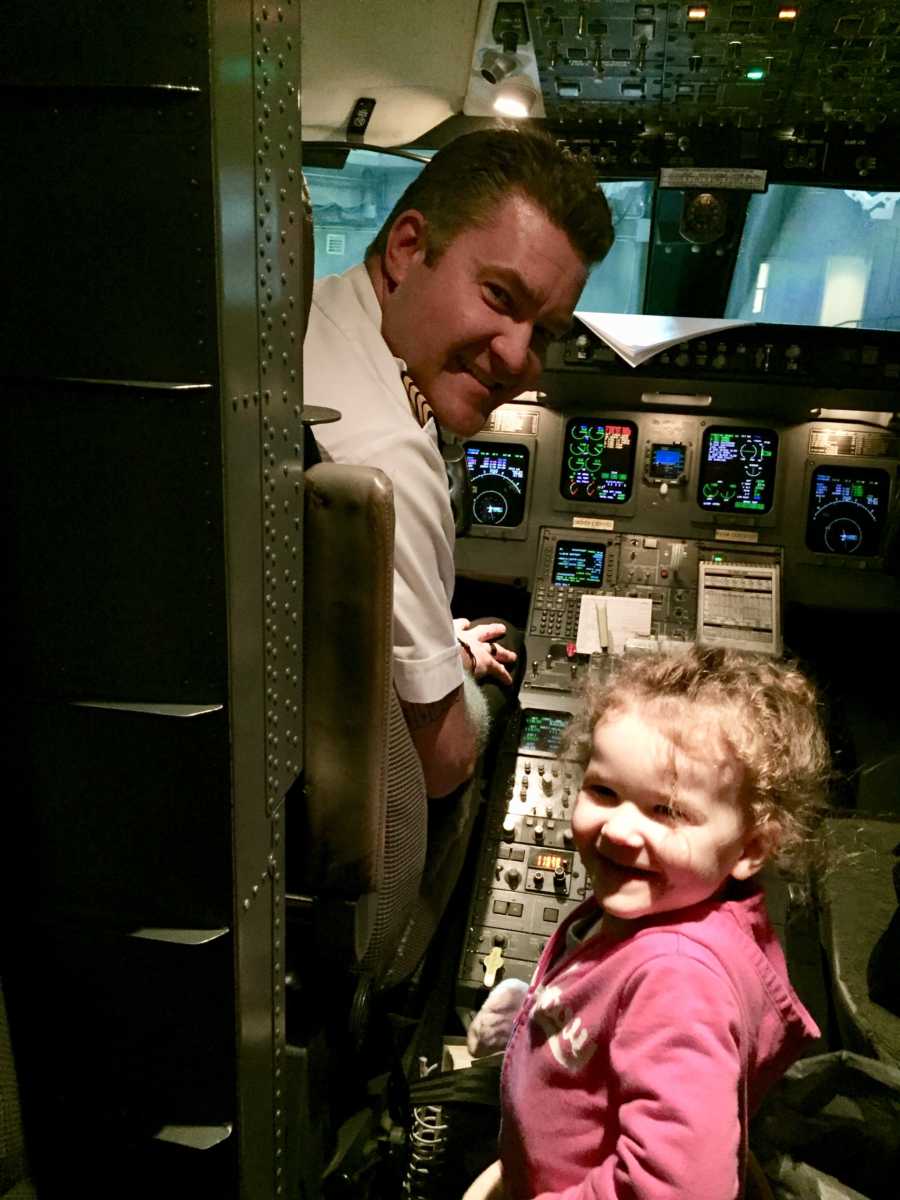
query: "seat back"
377, 859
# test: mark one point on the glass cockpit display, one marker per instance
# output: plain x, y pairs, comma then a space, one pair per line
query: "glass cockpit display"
578, 564
498, 472
737, 470
598, 460
542, 731
847, 509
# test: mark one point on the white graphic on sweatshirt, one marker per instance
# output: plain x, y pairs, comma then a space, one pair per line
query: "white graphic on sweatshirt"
570, 1042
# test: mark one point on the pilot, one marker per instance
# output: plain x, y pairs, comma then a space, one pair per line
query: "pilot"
476, 270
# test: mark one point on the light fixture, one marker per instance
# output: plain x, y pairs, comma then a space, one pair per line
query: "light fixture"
516, 97
697, 12
497, 65
787, 12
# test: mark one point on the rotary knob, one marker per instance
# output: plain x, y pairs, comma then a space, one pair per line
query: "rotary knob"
509, 827
538, 879
513, 877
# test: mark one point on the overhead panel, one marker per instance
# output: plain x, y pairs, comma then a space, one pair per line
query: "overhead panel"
757, 59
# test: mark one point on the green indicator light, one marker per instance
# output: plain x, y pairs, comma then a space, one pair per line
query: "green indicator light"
756, 73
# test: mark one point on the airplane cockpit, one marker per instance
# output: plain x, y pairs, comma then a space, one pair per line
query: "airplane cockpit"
204, 988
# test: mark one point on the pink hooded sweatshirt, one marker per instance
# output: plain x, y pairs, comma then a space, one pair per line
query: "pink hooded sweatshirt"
633, 1066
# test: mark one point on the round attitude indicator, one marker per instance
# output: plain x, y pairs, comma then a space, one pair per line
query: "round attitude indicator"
498, 472
847, 510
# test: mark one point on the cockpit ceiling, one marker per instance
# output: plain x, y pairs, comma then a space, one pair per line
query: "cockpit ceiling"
834, 61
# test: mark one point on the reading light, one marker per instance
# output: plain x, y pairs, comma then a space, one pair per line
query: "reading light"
756, 73
516, 97
787, 13
697, 12
497, 65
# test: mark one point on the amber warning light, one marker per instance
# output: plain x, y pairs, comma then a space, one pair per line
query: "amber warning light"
787, 13
697, 12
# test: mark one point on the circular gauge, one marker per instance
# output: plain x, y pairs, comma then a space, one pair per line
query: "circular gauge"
749, 451
843, 535
847, 509
704, 217
752, 469
489, 507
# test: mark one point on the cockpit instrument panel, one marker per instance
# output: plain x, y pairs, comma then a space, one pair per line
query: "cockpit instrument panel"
598, 460
847, 509
578, 564
498, 472
737, 470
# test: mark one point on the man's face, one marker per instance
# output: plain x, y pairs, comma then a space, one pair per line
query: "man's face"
474, 327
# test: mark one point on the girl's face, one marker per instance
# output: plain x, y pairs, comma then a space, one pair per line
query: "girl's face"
659, 823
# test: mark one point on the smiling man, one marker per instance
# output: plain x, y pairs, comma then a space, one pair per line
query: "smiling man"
477, 269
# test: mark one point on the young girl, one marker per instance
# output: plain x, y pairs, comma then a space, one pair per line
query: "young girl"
661, 1010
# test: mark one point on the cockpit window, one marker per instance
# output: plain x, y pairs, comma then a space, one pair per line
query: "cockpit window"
354, 192
819, 256
617, 284
352, 201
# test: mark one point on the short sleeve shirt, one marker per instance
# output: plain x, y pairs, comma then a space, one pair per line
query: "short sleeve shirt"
347, 365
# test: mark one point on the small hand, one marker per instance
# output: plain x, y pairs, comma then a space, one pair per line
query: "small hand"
490, 657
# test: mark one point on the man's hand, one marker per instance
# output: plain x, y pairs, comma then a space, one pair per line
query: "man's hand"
489, 658
492, 1024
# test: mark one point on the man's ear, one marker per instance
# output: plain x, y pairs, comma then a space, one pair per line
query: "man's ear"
758, 846
407, 243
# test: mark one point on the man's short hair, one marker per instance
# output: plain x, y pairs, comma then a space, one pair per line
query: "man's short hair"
465, 181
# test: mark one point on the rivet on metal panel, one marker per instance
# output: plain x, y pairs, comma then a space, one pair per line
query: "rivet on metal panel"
282, 192
246, 904
290, 301
263, 367
290, 218
255, 889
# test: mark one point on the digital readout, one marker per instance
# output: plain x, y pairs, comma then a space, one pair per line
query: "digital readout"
737, 470
578, 564
667, 461
498, 472
545, 860
598, 460
847, 509
542, 730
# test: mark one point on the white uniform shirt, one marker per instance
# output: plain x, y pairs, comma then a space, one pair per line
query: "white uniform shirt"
347, 365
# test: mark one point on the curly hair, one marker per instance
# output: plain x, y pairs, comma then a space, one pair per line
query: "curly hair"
763, 712
465, 181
